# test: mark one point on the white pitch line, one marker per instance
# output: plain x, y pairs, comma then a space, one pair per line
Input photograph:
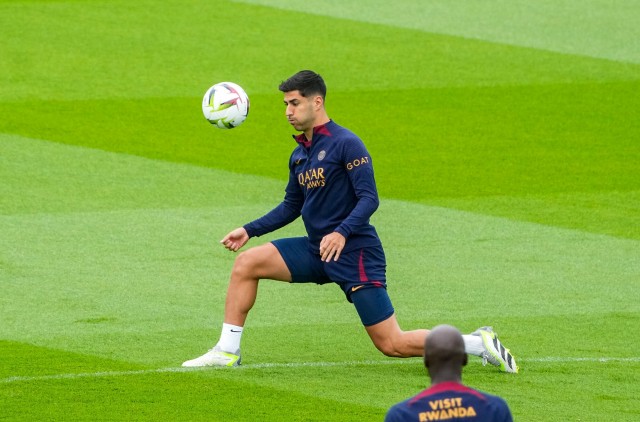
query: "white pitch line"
16, 379
603, 359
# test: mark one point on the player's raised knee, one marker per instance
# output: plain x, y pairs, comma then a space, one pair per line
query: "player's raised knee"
244, 264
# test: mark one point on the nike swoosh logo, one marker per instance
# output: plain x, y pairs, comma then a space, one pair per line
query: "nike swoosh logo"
298, 161
355, 288
236, 331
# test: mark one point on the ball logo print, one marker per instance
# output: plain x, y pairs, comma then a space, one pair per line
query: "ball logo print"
225, 105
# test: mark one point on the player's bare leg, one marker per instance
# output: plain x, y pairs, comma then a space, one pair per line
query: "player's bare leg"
391, 340
252, 265
260, 262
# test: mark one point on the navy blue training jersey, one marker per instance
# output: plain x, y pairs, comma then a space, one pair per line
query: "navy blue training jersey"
450, 401
331, 184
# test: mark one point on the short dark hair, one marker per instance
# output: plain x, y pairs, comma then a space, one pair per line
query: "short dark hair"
307, 82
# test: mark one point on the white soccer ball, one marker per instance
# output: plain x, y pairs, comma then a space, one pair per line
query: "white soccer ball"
225, 105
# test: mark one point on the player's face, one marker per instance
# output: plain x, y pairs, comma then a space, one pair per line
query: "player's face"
300, 111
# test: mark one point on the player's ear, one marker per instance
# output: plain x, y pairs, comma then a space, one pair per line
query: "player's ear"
318, 102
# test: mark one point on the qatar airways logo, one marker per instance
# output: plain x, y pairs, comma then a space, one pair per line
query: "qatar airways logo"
312, 178
357, 163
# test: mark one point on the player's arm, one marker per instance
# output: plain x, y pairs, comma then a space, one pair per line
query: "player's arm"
332, 244
360, 171
284, 213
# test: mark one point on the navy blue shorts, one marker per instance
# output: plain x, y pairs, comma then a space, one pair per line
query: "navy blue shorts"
361, 274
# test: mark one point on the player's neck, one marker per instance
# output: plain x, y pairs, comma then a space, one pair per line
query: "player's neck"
319, 121
435, 381
445, 375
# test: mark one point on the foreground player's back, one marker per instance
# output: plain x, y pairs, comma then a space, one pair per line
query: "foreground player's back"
451, 401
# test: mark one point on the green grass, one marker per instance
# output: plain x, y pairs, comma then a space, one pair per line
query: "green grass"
507, 162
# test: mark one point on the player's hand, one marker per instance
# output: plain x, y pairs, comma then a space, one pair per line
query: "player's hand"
331, 245
235, 239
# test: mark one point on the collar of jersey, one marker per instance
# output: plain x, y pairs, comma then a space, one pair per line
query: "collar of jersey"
317, 130
448, 386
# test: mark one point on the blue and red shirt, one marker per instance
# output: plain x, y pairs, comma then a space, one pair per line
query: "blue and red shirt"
331, 185
450, 401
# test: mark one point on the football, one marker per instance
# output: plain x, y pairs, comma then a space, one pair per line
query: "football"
225, 105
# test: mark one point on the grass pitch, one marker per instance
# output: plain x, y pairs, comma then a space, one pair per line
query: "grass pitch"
506, 153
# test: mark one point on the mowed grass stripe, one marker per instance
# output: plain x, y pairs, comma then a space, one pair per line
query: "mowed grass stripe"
293, 365
474, 147
56, 60
592, 27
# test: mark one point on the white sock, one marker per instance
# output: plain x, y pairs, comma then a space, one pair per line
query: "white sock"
473, 345
230, 338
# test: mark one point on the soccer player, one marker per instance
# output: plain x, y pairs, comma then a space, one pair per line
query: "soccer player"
447, 398
331, 185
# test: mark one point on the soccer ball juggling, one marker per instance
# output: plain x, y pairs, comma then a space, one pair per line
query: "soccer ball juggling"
225, 105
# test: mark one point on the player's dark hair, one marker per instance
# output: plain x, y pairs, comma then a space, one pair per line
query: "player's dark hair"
307, 82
